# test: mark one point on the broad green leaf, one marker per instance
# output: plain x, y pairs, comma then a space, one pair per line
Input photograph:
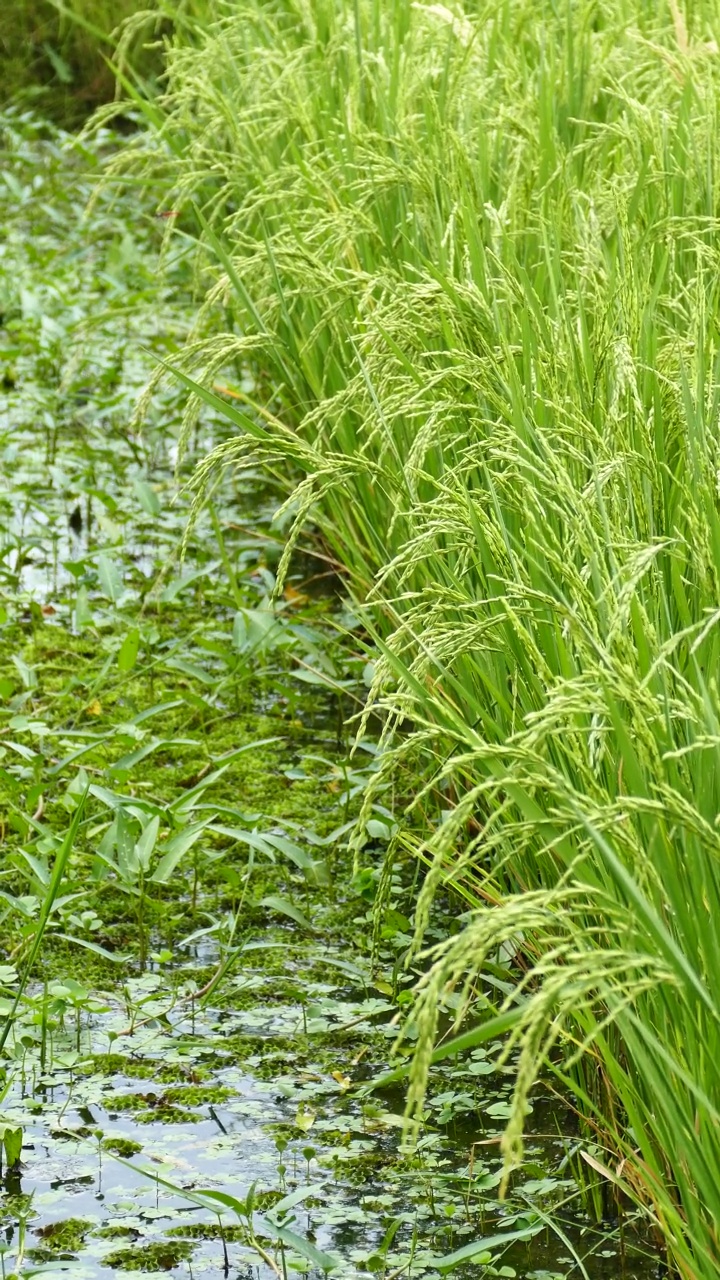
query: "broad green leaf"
116, 957
324, 1261
28, 675
188, 800
290, 849
192, 669
26, 752
127, 859
12, 1142
127, 762
83, 612
147, 497
285, 908
253, 839
48, 903
238, 1206
377, 830
158, 709
40, 868
145, 845
295, 1197
489, 1246
127, 655
61, 68
175, 849
81, 751
112, 799
493, 1029
178, 585
315, 869
110, 578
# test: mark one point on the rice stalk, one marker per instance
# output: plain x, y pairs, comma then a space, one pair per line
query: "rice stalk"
470, 253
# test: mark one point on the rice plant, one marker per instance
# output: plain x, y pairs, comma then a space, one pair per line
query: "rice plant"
470, 253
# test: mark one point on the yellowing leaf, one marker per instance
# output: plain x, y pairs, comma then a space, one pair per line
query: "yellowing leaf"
94, 708
293, 596
304, 1119
227, 391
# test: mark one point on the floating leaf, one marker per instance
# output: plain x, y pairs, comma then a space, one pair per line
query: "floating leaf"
305, 1118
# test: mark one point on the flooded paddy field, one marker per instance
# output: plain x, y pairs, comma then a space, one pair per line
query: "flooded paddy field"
187, 1070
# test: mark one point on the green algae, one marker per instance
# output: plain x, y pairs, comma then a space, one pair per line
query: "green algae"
175, 1105
160, 1255
198, 1095
229, 1232
66, 1236
166, 1114
118, 1232
152, 1108
110, 1064
124, 1147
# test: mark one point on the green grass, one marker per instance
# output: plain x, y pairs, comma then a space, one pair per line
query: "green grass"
471, 255
58, 50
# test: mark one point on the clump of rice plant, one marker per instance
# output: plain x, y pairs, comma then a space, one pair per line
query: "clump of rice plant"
470, 252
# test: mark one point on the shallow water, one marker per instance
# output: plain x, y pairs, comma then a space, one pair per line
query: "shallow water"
205, 1062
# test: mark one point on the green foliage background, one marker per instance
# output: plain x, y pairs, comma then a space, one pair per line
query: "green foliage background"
59, 51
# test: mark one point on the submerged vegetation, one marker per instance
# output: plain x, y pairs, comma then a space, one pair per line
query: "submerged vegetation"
429, 318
